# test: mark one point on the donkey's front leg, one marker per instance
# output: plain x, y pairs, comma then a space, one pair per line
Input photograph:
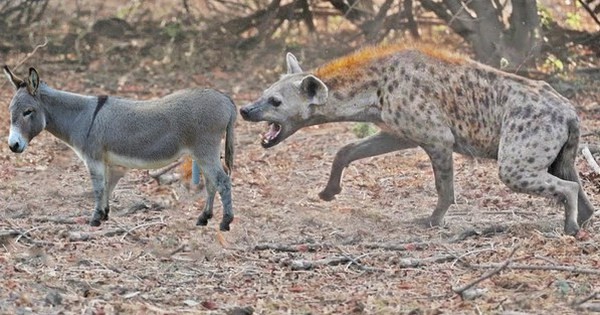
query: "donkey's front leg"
98, 174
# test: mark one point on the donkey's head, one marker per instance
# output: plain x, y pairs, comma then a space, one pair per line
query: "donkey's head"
288, 104
27, 117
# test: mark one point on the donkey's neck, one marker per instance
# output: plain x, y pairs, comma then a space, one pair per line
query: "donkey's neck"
359, 105
67, 114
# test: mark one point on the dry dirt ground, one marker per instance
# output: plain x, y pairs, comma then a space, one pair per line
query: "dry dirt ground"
288, 252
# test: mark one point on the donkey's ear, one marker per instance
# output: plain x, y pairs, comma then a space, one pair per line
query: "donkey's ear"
292, 64
14, 80
314, 89
33, 82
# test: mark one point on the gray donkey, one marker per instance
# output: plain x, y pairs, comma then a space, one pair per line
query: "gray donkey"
442, 103
112, 134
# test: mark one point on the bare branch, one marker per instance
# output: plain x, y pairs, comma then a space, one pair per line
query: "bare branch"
590, 159
487, 275
590, 11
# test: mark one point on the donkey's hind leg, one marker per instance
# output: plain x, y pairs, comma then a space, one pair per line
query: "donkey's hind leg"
216, 181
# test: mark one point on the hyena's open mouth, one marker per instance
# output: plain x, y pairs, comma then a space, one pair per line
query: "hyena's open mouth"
271, 137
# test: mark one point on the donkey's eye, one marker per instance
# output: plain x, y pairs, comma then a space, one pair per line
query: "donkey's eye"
27, 112
275, 102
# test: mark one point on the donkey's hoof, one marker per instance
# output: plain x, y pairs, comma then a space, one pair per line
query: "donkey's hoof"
95, 222
104, 217
329, 194
227, 219
224, 227
202, 221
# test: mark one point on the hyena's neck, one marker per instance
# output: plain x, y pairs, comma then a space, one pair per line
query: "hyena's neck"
354, 100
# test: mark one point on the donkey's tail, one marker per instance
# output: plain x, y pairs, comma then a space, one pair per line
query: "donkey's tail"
229, 137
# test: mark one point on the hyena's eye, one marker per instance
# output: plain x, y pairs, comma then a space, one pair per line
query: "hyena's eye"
27, 112
275, 102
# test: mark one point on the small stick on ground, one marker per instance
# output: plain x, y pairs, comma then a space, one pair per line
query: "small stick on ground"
589, 297
473, 232
79, 236
487, 275
398, 247
572, 269
141, 226
590, 159
60, 220
291, 248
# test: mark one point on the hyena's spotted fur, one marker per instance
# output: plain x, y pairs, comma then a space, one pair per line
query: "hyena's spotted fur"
442, 103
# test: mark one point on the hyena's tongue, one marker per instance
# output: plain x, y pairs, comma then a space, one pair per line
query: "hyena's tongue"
273, 132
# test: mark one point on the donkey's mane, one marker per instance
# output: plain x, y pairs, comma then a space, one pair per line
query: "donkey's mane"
355, 62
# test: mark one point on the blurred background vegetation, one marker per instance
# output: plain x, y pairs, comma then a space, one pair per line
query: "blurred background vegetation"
550, 39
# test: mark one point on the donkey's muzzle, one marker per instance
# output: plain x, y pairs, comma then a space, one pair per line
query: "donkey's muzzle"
16, 147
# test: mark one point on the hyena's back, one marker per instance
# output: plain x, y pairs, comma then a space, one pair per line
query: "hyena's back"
471, 104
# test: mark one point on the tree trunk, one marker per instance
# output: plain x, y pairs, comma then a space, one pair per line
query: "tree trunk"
480, 23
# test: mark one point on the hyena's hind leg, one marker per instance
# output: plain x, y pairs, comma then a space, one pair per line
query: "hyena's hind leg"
524, 169
377, 144
563, 167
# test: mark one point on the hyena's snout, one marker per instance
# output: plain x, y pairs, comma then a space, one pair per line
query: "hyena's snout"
251, 112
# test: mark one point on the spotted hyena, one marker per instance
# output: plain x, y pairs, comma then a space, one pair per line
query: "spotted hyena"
443, 103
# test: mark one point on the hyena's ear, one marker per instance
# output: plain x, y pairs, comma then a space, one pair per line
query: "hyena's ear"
292, 64
14, 80
314, 89
33, 82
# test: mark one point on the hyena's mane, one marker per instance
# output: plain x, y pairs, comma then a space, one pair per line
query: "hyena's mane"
355, 63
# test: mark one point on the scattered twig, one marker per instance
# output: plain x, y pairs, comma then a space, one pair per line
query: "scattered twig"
590, 159
60, 220
20, 62
473, 232
303, 264
291, 248
79, 236
589, 297
141, 226
416, 262
487, 275
572, 269
355, 261
398, 247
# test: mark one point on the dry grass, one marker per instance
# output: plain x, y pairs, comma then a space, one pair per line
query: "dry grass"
288, 252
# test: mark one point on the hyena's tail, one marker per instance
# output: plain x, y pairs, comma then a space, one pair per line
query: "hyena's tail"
563, 167
229, 138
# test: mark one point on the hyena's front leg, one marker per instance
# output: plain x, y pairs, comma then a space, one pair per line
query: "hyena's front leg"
99, 175
377, 144
443, 171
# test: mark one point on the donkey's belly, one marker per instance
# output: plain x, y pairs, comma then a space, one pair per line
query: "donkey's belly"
136, 162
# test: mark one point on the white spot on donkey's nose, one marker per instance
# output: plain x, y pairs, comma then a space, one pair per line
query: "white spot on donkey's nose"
16, 141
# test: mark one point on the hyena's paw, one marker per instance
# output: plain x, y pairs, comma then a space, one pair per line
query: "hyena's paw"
328, 194
571, 228
434, 221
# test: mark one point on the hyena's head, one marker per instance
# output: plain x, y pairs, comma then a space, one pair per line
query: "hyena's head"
287, 105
